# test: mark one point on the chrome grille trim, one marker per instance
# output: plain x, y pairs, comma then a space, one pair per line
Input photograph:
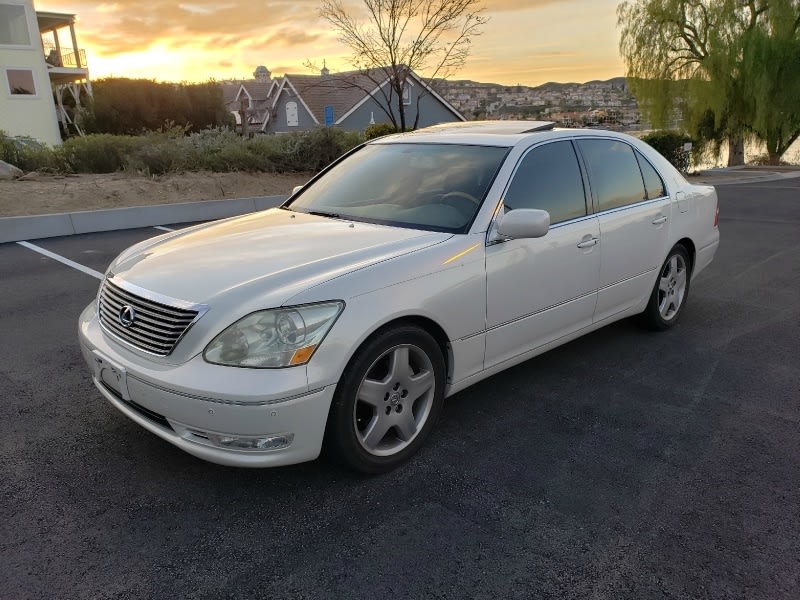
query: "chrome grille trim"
160, 321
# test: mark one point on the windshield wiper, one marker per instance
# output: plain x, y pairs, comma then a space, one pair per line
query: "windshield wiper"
320, 213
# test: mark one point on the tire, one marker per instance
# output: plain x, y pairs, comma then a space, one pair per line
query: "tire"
388, 400
670, 292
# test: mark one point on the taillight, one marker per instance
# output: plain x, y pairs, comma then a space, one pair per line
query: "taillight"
716, 215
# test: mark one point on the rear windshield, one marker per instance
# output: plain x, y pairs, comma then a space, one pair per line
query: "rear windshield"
437, 187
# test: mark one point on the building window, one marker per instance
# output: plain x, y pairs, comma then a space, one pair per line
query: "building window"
20, 82
14, 26
406, 93
291, 114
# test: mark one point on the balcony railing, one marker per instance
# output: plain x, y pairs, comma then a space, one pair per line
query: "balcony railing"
64, 57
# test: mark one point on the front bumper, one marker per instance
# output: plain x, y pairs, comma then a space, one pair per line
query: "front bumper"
199, 407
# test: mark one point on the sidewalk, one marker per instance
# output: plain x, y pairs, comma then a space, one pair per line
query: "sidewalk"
15, 229
747, 174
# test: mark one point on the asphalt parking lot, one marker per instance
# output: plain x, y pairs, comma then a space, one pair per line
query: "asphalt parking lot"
626, 464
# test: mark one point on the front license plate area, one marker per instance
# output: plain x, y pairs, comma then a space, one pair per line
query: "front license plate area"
111, 375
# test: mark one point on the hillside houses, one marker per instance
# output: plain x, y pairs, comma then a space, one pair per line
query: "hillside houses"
572, 103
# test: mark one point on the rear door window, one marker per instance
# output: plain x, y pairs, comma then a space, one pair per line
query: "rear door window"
614, 173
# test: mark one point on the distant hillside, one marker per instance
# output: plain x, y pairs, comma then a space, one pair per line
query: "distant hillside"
617, 82
584, 102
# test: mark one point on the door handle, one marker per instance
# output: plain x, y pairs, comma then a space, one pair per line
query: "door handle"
660, 220
588, 243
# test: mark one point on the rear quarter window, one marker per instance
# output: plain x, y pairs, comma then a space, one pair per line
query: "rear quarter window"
653, 184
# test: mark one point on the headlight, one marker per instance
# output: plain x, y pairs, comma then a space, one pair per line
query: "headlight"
271, 339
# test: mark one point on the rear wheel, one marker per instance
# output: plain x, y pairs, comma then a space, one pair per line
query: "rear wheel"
670, 293
387, 400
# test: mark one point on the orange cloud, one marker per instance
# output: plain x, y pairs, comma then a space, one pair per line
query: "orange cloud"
517, 5
525, 40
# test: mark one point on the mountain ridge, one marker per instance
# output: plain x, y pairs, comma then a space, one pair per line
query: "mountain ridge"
547, 85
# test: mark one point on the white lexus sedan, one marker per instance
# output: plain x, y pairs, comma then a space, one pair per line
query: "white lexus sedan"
409, 269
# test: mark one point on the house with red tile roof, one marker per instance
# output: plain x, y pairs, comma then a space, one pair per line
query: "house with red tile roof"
350, 100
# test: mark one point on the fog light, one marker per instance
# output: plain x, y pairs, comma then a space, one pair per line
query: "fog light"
268, 442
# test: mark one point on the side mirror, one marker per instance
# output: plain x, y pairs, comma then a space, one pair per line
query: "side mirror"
296, 189
524, 223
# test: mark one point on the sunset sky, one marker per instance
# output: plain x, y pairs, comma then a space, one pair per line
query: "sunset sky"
526, 41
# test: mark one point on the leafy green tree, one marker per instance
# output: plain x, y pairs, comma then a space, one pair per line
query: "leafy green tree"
716, 62
771, 67
131, 106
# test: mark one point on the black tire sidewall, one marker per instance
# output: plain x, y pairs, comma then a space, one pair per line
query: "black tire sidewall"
651, 317
340, 432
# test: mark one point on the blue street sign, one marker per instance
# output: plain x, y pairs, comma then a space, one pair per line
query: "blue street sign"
328, 116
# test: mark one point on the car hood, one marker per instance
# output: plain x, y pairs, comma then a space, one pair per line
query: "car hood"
263, 258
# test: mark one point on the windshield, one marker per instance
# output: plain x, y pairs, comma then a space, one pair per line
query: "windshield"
436, 187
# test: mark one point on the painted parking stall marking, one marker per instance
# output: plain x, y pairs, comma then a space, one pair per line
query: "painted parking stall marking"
71, 263
62, 260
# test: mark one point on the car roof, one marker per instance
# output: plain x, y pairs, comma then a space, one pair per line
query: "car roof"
495, 133
479, 133
489, 127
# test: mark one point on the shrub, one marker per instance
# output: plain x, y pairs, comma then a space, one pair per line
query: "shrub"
319, 147
200, 150
241, 157
155, 158
170, 150
378, 130
670, 145
99, 153
30, 155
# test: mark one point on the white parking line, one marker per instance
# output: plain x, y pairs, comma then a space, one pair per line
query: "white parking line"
162, 228
62, 260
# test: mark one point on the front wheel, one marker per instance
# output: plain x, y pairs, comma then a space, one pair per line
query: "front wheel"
387, 400
670, 293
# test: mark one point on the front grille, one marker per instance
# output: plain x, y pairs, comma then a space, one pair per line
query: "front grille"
156, 327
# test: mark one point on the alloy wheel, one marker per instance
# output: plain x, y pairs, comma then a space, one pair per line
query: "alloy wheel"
394, 400
672, 287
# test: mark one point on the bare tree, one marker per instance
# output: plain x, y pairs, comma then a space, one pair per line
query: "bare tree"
391, 38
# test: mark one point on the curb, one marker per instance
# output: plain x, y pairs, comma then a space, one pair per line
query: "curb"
735, 175
17, 229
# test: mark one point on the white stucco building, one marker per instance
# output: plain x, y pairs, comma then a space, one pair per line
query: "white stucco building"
40, 65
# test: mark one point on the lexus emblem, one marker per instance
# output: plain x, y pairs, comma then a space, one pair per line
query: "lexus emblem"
126, 315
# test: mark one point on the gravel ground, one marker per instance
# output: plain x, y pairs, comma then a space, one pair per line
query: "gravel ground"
42, 194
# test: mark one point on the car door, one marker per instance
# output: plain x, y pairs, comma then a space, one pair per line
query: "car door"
539, 290
633, 210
